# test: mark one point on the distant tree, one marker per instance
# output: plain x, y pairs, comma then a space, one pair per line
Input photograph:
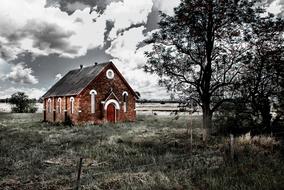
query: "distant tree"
263, 66
197, 52
22, 103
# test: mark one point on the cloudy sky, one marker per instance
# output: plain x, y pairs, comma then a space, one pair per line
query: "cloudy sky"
41, 40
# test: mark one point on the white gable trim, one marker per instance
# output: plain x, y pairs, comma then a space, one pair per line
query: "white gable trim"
111, 93
115, 102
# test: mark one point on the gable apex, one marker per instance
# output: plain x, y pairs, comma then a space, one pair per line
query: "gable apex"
123, 79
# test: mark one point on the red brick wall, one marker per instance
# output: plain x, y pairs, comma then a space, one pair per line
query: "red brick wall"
103, 86
60, 116
49, 112
82, 103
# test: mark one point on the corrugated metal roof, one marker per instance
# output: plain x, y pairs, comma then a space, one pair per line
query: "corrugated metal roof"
75, 81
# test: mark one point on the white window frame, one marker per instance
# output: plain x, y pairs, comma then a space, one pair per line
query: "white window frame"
59, 101
110, 74
49, 105
125, 103
93, 94
72, 104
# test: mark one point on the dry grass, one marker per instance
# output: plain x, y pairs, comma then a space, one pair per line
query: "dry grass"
152, 153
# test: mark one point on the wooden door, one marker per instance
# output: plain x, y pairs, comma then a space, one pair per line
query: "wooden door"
54, 116
111, 113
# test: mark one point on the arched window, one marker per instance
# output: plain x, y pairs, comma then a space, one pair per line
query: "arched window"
59, 105
49, 105
93, 94
125, 101
72, 105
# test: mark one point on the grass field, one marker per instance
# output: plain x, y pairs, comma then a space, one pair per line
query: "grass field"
152, 153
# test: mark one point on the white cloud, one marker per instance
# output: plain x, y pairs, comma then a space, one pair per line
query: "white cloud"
21, 74
166, 6
58, 76
29, 26
130, 62
31, 92
275, 7
26, 25
125, 46
127, 13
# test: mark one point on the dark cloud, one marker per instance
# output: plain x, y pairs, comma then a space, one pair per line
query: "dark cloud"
121, 31
109, 27
4, 52
153, 19
49, 66
49, 36
70, 6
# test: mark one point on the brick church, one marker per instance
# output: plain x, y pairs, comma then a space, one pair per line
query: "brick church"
94, 94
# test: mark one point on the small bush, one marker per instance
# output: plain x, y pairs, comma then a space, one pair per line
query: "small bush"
233, 117
22, 104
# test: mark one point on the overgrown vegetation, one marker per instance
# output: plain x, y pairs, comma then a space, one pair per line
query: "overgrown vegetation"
152, 153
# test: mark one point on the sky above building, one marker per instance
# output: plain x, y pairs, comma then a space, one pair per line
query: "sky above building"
41, 40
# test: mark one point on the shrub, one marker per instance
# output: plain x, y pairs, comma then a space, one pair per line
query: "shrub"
22, 104
233, 117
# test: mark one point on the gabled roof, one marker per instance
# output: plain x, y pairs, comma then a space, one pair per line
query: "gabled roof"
75, 81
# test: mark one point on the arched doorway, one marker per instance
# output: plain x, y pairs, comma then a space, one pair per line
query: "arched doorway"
111, 113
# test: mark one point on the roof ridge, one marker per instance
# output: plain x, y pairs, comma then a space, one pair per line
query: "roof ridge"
89, 66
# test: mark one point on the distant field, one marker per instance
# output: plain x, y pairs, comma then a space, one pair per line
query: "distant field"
164, 109
7, 107
152, 153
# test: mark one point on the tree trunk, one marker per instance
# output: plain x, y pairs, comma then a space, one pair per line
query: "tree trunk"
207, 120
266, 119
265, 114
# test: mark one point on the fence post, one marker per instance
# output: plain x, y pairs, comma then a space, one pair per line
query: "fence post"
191, 139
79, 174
189, 131
232, 146
191, 128
204, 135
